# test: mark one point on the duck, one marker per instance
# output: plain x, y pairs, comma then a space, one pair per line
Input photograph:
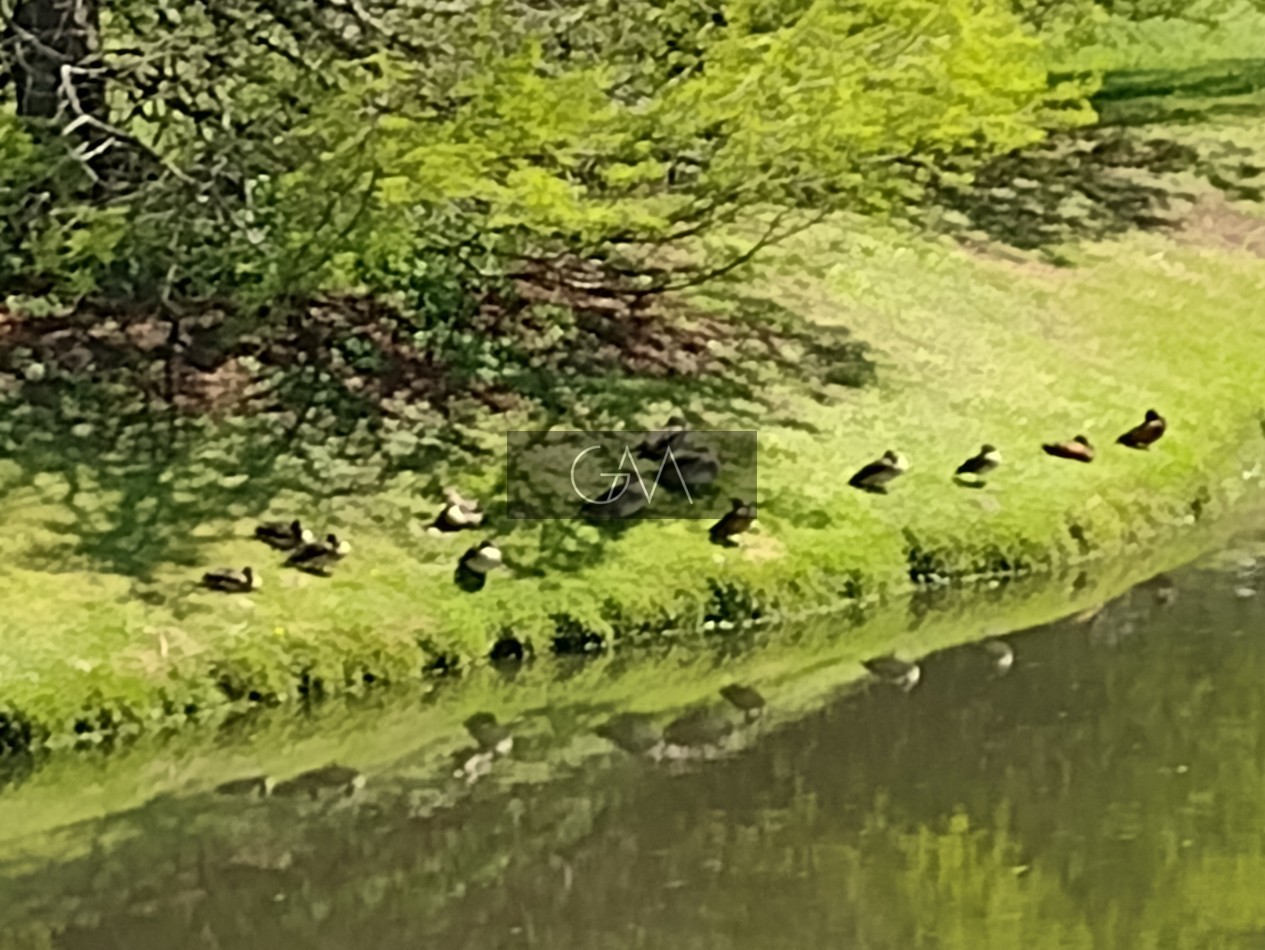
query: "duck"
329, 778
319, 558
747, 699
475, 565
635, 733
260, 786
458, 513
689, 470
230, 581
699, 728
1148, 432
898, 672
482, 558
1078, 449
492, 736
1003, 653
282, 536
737, 520
982, 464
671, 436
875, 476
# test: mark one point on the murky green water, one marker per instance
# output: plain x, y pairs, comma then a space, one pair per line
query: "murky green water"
1107, 792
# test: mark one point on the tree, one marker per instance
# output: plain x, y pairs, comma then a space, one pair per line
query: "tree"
52, 47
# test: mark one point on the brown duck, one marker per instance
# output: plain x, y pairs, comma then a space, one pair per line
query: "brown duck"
1144, 435
737, 520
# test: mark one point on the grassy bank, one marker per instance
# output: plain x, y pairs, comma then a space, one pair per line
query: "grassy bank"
885, 339
969, 349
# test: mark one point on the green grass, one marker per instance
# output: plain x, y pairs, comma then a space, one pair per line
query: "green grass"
970, 349
1235, 32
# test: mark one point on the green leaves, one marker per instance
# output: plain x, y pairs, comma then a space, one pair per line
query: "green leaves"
297, 150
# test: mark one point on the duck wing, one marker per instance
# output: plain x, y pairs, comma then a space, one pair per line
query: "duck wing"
224, 579
971, 465
1069, 450
277, 535
1141, 436
725, 527
867, 473
887, 667
308, 554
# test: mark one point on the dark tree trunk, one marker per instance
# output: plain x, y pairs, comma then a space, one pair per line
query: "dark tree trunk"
52, 47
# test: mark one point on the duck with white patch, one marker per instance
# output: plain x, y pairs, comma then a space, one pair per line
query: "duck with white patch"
979, 466
458, 513
283, 536
876, 476
319, 558
475, 565
737, 520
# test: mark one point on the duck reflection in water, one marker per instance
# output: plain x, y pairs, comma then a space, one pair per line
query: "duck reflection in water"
898, 672
1003, 654
635, 733
699, 733
472, 763
492, 736
746, 699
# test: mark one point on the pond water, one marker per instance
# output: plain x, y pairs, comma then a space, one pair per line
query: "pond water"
1107, 791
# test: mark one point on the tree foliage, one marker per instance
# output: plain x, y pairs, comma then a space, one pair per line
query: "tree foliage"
267, 150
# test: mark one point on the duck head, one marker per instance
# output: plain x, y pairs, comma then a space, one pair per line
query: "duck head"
737, 503
490, 551
304, 535
341, 548
480, 720
676, 422
1083, 441
252, 580
1152, 416
987, 449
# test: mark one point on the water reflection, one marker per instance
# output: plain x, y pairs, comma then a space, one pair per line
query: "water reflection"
1107, 792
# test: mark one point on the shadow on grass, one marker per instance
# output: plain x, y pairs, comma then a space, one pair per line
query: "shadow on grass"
766, 344
1118, 176
137, 473
138, 476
